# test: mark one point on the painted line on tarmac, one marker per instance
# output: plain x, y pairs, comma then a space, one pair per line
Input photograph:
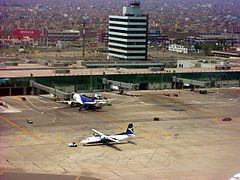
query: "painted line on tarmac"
50, 136
37, 98
77, 178
124, 102
66, 141
59, 141
11, 138
31, 102
15, 97
5, 119
18, 138
205, 112
162, 132
118, 121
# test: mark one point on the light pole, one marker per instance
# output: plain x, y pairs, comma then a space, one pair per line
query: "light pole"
91, 80
85, 18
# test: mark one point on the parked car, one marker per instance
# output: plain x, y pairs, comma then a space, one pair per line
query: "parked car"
29, 121
156, 119
72, 144
226, 119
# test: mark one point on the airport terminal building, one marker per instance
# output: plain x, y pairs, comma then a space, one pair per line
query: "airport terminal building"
128, 34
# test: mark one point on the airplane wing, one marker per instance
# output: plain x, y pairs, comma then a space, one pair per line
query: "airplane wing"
101, 134
107, 137
90, 103
103, 102
68, 102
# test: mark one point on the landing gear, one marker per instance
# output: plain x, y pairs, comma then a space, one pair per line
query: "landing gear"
81, 108
89, 107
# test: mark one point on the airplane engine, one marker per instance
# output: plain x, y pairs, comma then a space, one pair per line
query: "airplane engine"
71, 103
103, 138
114, 88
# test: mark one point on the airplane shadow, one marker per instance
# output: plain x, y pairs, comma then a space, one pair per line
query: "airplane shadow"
66, 107
132, 142
112, 145
76, 108
100, 110
106, 144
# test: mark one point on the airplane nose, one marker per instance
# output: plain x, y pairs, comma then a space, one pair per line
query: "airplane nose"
83, 141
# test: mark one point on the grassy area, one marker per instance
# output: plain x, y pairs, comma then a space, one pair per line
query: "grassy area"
8, 50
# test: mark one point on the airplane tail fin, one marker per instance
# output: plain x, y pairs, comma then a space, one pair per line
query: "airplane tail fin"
78, 98
93, 96
130, 129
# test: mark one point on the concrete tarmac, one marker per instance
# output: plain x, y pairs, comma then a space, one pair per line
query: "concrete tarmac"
190, 140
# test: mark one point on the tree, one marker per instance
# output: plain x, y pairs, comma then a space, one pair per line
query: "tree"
206, 48
198, 46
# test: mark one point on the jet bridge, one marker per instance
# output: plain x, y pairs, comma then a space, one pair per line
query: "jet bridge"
121, 85
181, 81
55, 92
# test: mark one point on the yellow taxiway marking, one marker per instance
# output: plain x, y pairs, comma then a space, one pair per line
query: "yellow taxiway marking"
59, 141
11, 138
118, 121
77, 178
19, 127
154, 135
18, 138
51, 136
66, 141
161, 131
17, 98
45, 142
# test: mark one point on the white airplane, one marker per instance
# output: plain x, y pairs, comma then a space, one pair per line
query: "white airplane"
105, 139
86, 102
235, 177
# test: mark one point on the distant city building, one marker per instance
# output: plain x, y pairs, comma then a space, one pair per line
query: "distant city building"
55, 37
182, 49
196, 64
128, 34
207, 63
210, 39
225, 54
102, 36
156, 37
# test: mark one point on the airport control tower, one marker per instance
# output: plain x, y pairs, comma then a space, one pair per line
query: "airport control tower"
128, 34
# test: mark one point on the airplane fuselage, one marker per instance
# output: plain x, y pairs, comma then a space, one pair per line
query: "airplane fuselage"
98, 139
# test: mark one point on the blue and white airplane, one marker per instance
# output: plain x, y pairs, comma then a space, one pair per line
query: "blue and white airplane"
86, 102
105, 139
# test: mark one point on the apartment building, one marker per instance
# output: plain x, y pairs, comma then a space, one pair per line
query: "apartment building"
183, 49
62, 36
